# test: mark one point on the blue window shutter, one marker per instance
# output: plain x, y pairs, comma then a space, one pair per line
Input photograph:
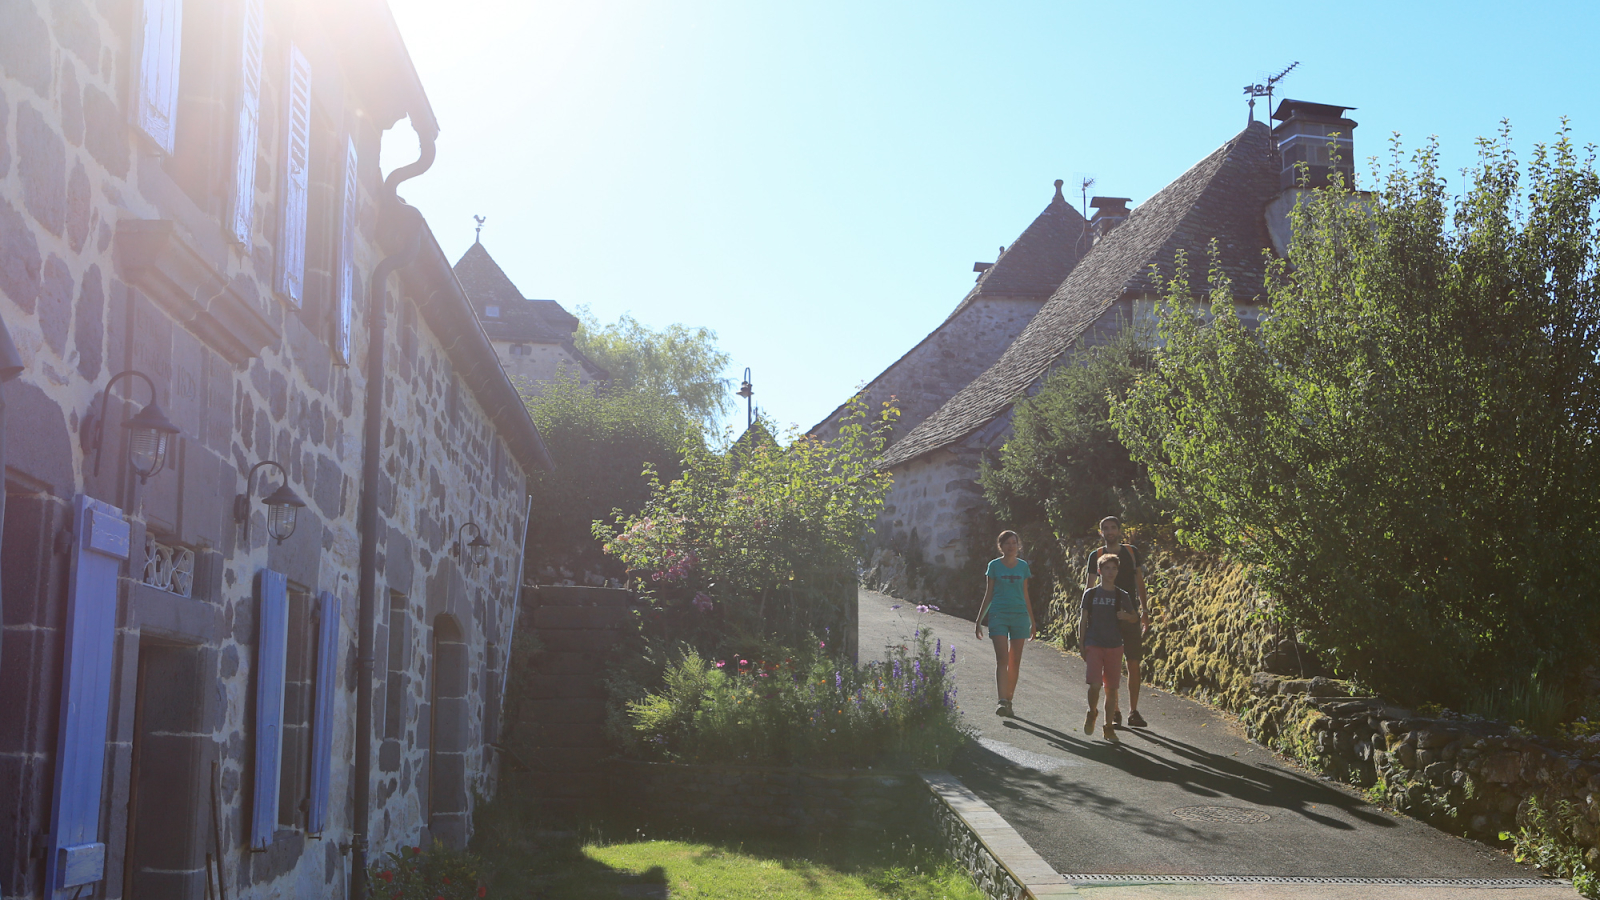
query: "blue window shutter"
349, 206
295, 180
155, 101
99, 548
247, 130
322, 710
272, 644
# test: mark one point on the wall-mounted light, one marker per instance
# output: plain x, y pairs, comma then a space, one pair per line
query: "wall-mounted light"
283, 505
474, 552
150, 432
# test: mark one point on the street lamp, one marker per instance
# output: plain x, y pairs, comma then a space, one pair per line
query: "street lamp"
150, 432
283, 505
477, 549
747, 392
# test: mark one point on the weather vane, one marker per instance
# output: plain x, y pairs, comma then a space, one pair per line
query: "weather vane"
478, 235
1265, 89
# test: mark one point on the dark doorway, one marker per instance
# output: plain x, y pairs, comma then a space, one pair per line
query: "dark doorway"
447, 745
165, 855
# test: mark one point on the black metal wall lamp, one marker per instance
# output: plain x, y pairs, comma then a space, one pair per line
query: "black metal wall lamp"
283, 505
150, 431
476, 551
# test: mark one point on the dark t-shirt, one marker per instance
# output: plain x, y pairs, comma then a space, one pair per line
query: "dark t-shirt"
1099, 610
1128, 560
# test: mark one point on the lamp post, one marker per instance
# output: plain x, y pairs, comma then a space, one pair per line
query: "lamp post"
150, 432
283, 505
747, 392
474, 552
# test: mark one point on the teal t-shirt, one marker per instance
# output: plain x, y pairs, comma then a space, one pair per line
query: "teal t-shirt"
1008, 595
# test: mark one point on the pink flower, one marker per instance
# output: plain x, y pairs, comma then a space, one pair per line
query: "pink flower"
721, 663
822, 645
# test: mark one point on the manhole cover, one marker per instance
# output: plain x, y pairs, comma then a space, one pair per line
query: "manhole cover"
1221, 815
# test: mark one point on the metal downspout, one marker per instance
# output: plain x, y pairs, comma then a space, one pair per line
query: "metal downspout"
409, 223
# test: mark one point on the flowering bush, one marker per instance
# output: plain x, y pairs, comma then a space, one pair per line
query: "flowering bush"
810, 710
759, 540
438, 873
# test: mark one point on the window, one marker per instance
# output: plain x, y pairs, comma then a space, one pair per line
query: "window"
491, 312
168, 566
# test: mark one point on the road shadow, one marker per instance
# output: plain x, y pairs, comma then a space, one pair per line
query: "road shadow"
1197, 772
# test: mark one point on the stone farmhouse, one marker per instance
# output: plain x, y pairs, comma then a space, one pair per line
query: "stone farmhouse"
957, 386
533, 338
265, 480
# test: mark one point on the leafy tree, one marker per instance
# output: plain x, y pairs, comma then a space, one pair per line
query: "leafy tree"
1406, 447
678, 363
1063, 468
759, 541
601, 440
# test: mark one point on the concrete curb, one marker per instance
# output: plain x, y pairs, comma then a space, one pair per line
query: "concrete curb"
1017, 871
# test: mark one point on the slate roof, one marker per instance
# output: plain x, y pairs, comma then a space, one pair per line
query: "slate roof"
1032, 266
1224, 196
520, 319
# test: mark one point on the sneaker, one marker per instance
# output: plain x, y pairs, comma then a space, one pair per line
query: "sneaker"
1003, 708
1135, 720
1109, 733
1088, 721
1116, 717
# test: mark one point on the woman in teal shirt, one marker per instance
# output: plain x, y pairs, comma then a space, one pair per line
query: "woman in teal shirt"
1010, 609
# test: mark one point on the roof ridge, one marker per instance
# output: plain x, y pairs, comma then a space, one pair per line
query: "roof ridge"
1222, 195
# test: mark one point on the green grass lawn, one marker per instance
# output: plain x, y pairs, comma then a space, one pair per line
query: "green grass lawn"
540, 865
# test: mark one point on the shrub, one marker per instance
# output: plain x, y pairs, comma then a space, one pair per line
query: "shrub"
812, 710
416, 874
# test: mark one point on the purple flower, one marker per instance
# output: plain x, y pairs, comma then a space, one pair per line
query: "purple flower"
702, 602
938, 647
926, 608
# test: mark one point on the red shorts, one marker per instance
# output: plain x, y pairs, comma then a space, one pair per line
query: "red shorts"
1103, 664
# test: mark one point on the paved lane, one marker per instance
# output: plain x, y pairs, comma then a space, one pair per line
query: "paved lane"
1190, 795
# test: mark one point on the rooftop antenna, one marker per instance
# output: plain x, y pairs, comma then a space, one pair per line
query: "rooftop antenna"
477, 236
1264, 89
1083, 189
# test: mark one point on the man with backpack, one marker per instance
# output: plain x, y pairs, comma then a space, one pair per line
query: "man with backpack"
1130, 578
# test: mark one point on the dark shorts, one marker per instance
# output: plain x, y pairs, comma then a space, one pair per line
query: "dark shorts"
1132, 641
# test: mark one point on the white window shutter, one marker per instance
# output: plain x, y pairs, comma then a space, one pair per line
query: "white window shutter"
345, 276
155, 104
247, 129
296, 178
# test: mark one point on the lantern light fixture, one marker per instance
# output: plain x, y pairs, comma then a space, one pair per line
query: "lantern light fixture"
150, 432
476, 551
283, 505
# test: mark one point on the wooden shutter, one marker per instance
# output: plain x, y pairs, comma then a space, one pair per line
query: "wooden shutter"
345, 265
322, 712
295, 180
99, 548
247, 130
155, 102
272, 644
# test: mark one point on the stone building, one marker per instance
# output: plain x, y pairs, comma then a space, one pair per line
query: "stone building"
190, 192
957, 410
533, 338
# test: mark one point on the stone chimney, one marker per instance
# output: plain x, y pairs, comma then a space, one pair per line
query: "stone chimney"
1109, 212
1312, 133
1318, 135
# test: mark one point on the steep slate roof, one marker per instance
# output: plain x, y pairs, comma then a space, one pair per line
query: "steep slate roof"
1032, 266
1223, 197
520, 319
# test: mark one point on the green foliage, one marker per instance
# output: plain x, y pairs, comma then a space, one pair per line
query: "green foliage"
416, 874
1537, 705
1404, 448
757, 544
678, 363
812, 710
1548, 839
601, 440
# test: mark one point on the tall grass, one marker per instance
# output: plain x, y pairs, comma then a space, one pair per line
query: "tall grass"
1534, 705
809, 710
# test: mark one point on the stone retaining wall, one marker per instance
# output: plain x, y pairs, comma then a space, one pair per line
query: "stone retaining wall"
964, 846
767, 798
1472, 778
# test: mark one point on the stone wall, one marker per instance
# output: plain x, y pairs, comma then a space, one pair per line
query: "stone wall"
992, 878
535, 364
112, 257
767, 798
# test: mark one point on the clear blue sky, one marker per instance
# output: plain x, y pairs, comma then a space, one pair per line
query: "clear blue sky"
814, 180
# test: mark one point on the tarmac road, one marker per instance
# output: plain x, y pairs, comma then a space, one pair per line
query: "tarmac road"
1190, 795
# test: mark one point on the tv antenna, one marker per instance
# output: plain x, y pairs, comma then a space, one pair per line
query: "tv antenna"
1264, 89
477, 236
1083, 190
